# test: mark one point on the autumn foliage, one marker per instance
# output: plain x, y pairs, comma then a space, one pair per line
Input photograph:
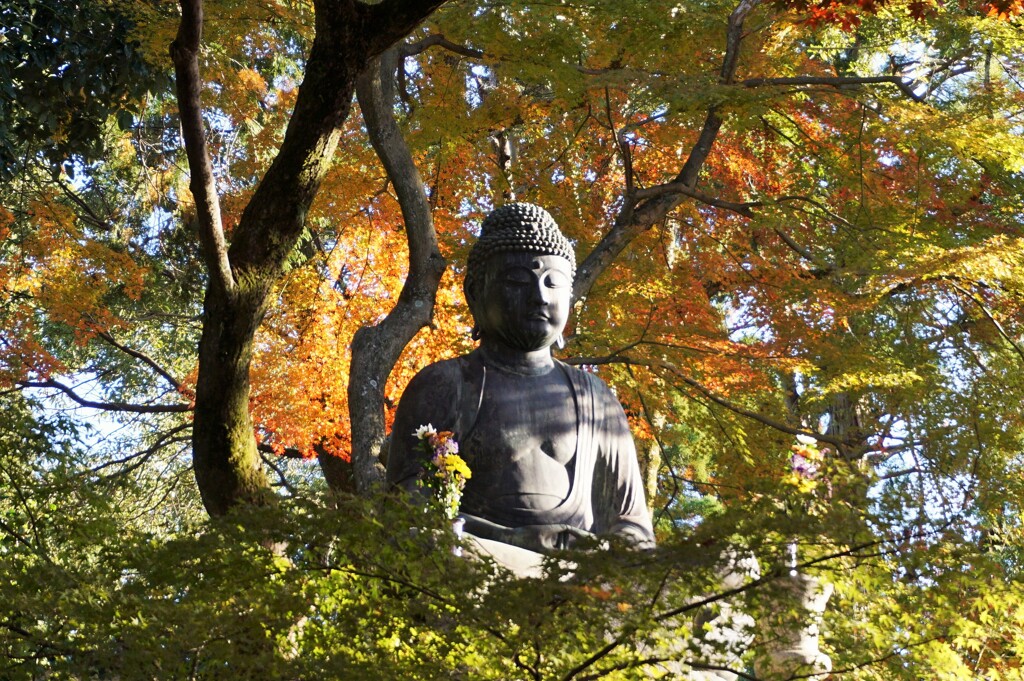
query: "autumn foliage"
790, 217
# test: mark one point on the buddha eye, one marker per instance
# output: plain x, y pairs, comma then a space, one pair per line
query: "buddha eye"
519, 276
556, 279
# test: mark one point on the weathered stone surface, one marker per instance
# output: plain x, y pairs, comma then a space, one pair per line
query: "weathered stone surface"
549, 446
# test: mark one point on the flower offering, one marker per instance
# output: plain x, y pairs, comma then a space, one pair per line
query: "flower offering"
444, 471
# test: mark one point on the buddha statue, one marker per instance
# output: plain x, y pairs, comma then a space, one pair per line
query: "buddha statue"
549, 447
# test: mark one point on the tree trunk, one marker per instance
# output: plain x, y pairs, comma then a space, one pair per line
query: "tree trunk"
375, 349
348, 35
224, 455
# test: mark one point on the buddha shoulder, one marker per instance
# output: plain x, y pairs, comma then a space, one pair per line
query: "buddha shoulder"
589, 381
436, 384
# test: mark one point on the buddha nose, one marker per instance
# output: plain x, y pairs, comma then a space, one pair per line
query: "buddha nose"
541, 294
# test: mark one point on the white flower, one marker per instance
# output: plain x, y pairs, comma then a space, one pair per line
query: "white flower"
423, 432
806, 439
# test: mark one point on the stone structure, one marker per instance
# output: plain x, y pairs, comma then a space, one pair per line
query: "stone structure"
789, 635
549, 446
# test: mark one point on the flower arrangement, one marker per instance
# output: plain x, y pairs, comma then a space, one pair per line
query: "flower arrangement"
444, 471
806, 466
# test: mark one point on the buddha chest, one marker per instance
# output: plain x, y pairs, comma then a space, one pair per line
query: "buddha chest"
523, 445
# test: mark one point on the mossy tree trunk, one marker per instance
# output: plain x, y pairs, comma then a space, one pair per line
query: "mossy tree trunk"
349, 34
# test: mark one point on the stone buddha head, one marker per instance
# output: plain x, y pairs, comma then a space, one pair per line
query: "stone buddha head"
519, 278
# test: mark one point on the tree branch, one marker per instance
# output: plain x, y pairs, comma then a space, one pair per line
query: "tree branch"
856, 550
708, 393
721, 668
175, 383
914, 470
897, 650
988, 315
107, 406
185, 55
824, 267
717, 597
268, 461
438, 39
391, 20
375, 349
686, 190
625, 154
904, 84
90, 214
640, 214
287, 452
817, 204
349, 34
142, 456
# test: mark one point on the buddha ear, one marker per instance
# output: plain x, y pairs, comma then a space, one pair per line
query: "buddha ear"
470, 292
471, 299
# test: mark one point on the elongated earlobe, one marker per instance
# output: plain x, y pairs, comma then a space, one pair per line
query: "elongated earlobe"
560, 342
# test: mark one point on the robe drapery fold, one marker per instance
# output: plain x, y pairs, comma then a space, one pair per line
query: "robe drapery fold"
606, 493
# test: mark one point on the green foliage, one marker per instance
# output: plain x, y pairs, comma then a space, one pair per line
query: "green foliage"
89, 592
66, 70
873, 295
94, 585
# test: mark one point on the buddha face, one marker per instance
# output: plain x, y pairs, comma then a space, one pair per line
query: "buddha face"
524, 299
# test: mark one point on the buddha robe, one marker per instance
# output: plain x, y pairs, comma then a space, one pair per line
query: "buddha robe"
604, 492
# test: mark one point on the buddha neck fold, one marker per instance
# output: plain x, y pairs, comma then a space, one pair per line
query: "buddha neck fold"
535, 363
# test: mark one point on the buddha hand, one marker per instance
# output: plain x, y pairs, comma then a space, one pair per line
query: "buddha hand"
544, 538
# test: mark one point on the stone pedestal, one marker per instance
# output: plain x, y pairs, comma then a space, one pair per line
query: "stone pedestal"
520, 562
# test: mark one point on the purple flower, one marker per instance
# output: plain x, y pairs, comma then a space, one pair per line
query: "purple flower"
802, 467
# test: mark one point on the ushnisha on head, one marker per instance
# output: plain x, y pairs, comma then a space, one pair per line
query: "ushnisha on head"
516, 227
519, 278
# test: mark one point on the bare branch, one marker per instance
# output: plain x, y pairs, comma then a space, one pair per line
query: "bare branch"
107, 406
185, 55
175, 383
439, 40
141, 457
904, 84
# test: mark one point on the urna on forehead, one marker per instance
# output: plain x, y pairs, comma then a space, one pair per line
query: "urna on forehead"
517, 228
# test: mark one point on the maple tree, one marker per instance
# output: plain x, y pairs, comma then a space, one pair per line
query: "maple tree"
791, 218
